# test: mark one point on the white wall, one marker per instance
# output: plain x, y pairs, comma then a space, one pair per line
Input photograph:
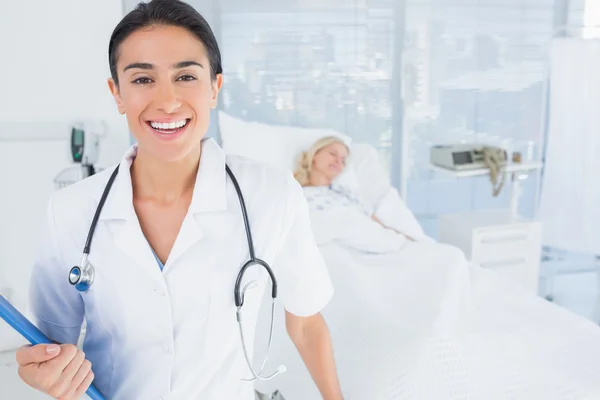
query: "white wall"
53, 71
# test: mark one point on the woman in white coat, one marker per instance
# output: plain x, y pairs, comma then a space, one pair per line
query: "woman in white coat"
170, 241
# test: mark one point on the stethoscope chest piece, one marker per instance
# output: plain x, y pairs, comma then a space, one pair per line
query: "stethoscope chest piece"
82, 277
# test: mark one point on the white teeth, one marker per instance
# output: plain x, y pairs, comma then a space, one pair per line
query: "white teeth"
168, 125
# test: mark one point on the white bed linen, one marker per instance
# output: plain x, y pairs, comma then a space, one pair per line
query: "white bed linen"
420, 322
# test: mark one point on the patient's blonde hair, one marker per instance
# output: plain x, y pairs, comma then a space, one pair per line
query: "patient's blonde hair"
304, 163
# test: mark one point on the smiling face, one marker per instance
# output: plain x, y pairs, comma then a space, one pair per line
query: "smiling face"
165, 90
330, 161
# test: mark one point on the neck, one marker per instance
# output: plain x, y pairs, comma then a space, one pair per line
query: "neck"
164, 182
318, 179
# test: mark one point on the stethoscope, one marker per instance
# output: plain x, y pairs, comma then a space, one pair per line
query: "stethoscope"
82, 276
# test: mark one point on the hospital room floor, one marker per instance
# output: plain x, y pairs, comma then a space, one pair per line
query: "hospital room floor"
575, 281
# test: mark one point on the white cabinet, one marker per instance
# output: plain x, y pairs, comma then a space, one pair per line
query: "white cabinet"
496, 240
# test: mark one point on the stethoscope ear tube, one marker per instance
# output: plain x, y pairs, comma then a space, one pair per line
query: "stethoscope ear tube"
88, 242
239, 293
238, 297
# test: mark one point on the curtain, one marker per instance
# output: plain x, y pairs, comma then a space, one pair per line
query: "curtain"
570, 202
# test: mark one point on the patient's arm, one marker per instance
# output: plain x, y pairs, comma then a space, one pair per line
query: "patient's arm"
393, 213
374, 218
349, 227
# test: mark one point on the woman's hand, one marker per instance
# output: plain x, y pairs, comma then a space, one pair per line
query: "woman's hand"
60, 371
374, 218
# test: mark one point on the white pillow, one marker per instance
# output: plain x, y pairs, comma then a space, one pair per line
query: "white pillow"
373, 180
282, 145
275, 144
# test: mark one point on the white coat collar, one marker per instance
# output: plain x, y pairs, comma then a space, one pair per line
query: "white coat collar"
209, 190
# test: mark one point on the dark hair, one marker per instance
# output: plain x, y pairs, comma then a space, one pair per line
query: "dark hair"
165, 12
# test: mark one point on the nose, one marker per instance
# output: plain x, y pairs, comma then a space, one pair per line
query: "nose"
167, 98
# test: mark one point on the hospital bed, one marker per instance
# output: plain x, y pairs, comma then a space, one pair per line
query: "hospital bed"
442, 330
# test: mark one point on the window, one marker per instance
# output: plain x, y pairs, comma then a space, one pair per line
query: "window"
325, 64
465, 70
308, 63
475, 73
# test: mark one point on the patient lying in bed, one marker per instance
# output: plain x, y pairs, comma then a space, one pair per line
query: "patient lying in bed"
379, 237
338, 210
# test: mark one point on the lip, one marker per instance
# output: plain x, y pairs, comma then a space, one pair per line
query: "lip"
168, 137
167, 120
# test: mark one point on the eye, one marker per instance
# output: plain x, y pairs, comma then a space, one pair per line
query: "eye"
186, 78
142, 81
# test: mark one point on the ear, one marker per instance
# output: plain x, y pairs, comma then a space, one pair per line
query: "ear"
114, 89
216, 88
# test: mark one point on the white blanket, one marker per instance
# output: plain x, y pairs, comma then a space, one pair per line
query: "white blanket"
393, 213
347, 227
420, 322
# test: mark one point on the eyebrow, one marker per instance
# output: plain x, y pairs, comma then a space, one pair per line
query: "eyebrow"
179, 65
185, 64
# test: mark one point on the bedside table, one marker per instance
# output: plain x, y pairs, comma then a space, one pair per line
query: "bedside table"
499, 241
515, 173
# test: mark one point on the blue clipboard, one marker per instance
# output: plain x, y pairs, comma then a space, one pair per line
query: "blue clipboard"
30, 332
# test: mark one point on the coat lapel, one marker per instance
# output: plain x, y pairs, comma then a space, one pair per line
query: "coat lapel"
127, 237
210, 195
118, 215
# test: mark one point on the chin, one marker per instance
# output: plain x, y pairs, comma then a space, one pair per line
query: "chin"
171, 152
333, 177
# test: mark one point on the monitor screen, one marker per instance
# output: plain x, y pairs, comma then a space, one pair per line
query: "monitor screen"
78, 137
462, 158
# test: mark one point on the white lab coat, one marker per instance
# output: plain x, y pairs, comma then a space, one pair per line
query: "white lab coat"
173, 334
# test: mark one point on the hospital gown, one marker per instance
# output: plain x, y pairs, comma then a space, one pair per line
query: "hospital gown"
323, 198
